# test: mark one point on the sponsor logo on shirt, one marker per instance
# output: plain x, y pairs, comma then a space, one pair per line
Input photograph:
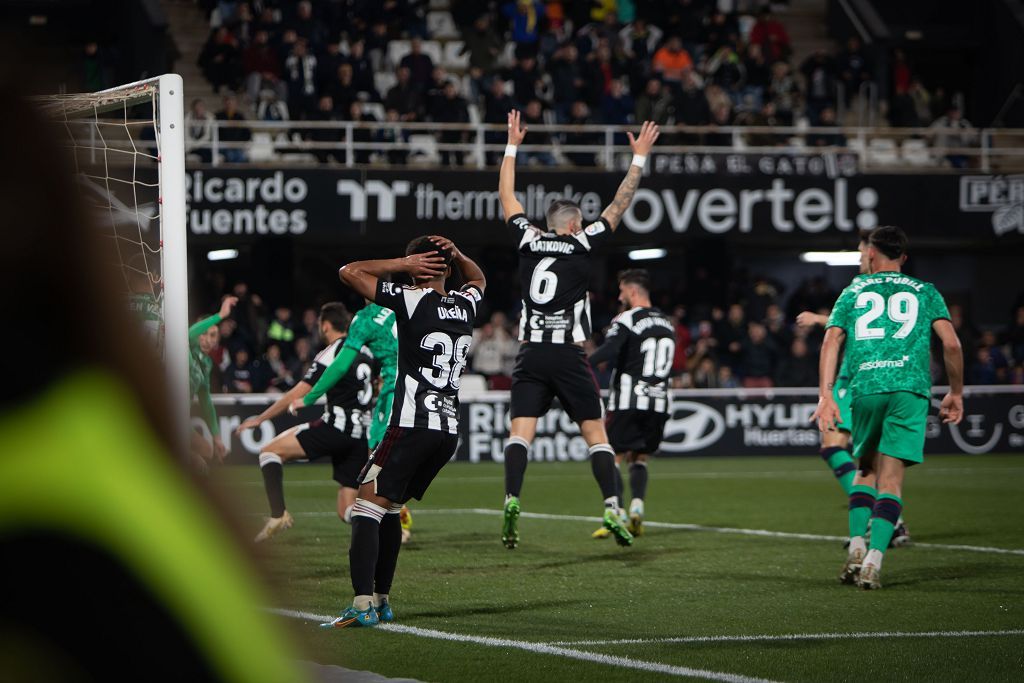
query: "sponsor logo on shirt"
594, 228
880, 364
437, 403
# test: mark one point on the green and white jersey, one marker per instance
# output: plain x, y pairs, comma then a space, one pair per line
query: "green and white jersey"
375, 328
145, 308
887, 318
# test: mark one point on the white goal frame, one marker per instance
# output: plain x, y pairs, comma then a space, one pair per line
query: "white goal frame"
169, 125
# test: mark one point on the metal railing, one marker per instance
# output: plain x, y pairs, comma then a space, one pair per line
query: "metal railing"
352, 143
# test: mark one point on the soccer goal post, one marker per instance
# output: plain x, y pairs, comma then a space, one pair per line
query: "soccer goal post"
128, 144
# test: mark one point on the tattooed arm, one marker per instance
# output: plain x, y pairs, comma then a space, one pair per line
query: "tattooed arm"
641, 146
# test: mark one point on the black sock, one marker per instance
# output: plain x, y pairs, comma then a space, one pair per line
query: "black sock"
362, 554
515, 466
273, 482
618, 483
638, 480
602, 464
387, 554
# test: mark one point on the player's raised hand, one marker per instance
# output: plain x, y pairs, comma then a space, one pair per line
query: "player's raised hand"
227, 305
425, 266
952, 409
445, 243
642, 144
826, 414
516, 133
251, 423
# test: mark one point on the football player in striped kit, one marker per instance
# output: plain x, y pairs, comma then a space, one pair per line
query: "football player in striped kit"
640, 345
435, 330
554, 270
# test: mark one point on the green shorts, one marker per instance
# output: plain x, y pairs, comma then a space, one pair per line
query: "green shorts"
843, 398
381, 412
892, 424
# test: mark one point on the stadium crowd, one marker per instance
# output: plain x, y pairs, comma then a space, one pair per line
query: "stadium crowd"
608, 62
750, 341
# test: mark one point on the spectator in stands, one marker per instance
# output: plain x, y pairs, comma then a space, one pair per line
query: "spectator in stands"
854, 69
820, 71
566, 79
923, 102
722, 29
758, 357
391, 135
434, 92
362, 70
327, 136
491, 348
243, 26
270, 108
327, 63
342, 90
721, 115
764, 117
617, 108
691, 103
672, 62
638, 41
420, 65
307, 26
580, 116
784, 92
903, 110
220, 60
377, 42
799, 368
262, 68
497, 105
1016, 336
360, 135
278, 377
527, 80
654, 104
309, 327
950, 132
404, 97
726, 70
282, 330
984, 369
238, 376
300, 72
233, 134
298, 365
758, 75
726, 378
199, 131
525, 17
533, 116
451, 108
901, 73
730, 333
483, 45
770, 35
827, 120
95, 68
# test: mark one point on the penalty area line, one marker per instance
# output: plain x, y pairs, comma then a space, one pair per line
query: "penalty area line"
545, 649
796, 637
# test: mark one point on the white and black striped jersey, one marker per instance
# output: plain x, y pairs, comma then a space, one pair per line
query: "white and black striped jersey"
641, 344
348, 401
554, 271
434, 334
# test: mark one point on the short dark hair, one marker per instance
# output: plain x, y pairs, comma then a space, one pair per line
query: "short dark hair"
889, 240
336, 314
865, 235
424, 245
636, 276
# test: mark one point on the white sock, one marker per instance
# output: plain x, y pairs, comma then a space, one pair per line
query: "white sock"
874, 558
637, 505
379, 599
858, 543
612, 502
362, 602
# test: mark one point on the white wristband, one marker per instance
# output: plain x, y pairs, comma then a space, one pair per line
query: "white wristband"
510, 151
639, 160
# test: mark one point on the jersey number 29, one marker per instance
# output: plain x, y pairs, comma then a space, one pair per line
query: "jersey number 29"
902, 308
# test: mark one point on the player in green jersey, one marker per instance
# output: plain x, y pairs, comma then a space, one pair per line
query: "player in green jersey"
836, 444
373, 327
143, 304
202, 338
886, 319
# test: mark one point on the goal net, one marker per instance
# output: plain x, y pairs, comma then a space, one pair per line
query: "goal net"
128, 148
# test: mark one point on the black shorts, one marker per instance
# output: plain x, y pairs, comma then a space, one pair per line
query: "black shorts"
348, 455
639, 431
407, 460
546, 371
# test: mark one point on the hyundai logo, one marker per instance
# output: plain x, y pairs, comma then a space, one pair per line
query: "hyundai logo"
691, 427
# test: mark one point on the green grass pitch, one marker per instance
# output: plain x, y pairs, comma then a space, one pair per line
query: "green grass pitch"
561, 587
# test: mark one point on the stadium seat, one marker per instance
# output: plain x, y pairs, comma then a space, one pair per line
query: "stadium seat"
452, 58
423, 149
916, 153
440, 25
882, 151
474, 113
384, 81
262, 147
473, 384
374, 109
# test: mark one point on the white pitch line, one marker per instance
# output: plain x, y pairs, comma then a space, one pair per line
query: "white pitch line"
546, 649
796, 636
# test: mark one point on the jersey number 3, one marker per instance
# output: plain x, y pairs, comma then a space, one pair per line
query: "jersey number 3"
902, 308
449, 359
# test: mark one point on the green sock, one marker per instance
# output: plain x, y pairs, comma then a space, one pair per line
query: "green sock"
862, 502
843, 467
883, 521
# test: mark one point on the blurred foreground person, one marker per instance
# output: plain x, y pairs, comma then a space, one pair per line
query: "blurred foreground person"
120, 567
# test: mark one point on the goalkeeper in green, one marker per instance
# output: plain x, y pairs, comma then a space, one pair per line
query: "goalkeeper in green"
202, 339
887, 319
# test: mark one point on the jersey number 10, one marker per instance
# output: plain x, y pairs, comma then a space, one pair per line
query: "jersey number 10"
902, 308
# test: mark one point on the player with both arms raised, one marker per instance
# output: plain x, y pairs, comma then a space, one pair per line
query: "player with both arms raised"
640, 346
554, 271
435, 330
